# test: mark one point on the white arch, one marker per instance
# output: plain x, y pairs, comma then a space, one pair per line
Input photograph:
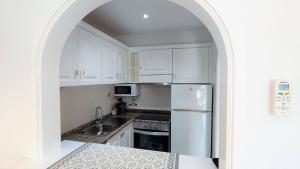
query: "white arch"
52, 42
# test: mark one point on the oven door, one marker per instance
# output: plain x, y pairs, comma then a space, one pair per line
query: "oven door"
151, 140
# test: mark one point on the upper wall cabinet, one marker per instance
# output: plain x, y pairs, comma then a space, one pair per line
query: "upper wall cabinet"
68, 59
155, 66
88, 58
114, 63
156, 62
122, 65
182, 63
191, 65
108, 64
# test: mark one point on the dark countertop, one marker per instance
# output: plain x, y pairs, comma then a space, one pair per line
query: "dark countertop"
74, 135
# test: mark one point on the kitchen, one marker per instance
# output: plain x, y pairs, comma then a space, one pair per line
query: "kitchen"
257, 41
142, 96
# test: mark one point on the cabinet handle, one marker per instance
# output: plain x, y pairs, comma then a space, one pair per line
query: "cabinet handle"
76, 72
82, 73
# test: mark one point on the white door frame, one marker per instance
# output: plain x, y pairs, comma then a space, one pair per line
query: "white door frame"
48, 56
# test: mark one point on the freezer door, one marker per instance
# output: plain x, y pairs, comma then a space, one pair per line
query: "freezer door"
191, 97
191, 133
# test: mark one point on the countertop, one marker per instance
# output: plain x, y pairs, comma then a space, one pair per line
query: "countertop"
99, 156
74, 135
68, 147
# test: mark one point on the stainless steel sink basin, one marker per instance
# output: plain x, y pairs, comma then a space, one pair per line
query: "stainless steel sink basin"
96, 129
108, 125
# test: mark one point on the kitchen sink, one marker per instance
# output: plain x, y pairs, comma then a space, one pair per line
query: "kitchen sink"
108, 125
95, 129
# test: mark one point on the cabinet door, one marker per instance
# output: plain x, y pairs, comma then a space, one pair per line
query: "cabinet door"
122, 63
156, 62
68, 59
115, 141
130, 136
88, 58
108, 62
125, 139
127, 136
190, 65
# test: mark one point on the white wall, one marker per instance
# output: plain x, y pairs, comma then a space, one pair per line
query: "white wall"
153, 96
265, 38
22, 25
78, 104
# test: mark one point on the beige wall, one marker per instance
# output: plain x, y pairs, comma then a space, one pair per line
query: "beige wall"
78, 104
153, 96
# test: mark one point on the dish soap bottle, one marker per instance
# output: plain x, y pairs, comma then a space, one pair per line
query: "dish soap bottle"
113, 106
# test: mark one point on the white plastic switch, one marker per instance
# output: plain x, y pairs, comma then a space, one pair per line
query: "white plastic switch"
281, 97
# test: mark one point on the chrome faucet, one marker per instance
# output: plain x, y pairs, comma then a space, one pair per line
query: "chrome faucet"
99, 118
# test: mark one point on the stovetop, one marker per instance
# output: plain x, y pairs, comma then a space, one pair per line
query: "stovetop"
154, 116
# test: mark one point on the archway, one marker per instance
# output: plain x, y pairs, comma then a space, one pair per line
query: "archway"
58, 30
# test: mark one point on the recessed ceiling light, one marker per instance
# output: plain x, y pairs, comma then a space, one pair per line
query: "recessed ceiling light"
145, 16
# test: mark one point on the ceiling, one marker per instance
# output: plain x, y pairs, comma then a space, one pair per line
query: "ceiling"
125, 17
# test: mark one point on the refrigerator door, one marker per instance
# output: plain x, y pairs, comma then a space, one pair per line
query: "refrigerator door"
191, 133
191, 97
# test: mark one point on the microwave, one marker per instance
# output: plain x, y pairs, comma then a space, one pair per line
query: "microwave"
126, 90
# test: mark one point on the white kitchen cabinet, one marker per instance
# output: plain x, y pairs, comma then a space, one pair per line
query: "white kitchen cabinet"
122, 65
80, 59
88, 57
123, 138
156, 62
191, 65
68, 61
127, 136
108, 62
115, 141
114, 63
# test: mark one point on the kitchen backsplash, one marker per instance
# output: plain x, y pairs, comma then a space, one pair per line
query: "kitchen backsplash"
153, 96
78, 104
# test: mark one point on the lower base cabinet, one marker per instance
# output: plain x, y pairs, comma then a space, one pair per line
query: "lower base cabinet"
123, 138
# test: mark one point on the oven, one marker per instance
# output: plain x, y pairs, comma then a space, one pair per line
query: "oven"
152, 135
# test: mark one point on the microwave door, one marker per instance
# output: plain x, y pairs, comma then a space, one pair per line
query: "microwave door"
122, 90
